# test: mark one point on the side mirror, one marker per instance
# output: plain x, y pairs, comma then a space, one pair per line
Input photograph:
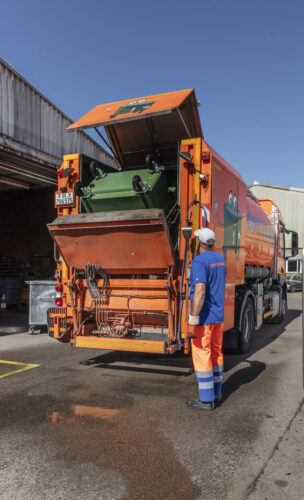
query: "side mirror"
294, 243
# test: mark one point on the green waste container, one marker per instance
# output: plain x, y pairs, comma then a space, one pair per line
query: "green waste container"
116, 191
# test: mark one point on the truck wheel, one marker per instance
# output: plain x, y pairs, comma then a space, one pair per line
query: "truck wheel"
247, 327
279, 318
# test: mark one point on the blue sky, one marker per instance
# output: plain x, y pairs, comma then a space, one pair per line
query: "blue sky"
244, 58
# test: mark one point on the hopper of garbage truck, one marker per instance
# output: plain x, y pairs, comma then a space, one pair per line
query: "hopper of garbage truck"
121, 242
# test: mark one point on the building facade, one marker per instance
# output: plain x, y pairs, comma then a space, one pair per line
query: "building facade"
33, 140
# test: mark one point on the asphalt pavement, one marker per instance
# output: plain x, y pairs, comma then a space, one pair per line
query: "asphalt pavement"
87, 424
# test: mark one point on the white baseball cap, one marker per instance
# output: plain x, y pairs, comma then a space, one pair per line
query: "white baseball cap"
205, 235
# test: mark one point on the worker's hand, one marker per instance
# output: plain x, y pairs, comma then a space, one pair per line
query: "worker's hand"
193, 321
191, 331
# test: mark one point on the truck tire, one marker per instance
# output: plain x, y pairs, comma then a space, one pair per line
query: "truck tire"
277, 320
247, 327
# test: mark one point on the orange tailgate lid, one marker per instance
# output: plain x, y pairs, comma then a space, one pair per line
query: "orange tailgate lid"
121, 111
139, 126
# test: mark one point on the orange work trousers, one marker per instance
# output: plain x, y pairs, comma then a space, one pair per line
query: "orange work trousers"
208, 360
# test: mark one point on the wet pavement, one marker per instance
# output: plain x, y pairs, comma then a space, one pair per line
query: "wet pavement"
87, 424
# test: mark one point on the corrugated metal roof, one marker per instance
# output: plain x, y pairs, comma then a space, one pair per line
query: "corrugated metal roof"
274, 186
28, 118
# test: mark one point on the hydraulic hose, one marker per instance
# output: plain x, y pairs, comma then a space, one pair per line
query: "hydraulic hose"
194, 202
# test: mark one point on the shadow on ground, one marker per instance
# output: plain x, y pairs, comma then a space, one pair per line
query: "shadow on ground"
177, 365
12, 322
263, 337
242, 377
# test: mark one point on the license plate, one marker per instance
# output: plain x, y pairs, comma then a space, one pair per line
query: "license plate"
64, 199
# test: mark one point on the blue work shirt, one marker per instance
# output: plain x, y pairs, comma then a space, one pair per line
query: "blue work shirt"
209, 267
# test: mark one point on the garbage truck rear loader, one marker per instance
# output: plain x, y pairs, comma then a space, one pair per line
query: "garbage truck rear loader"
125, 238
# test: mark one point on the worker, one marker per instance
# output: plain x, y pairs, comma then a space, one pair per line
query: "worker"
206, 321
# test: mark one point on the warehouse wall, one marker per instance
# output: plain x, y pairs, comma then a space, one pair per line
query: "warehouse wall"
26, 247
29, 118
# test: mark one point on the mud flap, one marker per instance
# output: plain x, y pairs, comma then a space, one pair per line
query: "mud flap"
230, 339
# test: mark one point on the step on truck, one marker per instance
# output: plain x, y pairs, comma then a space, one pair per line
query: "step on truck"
124, 237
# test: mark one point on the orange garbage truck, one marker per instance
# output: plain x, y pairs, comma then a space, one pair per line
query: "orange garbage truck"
124, 237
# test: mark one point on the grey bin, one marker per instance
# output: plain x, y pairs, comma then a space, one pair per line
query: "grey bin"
42, 297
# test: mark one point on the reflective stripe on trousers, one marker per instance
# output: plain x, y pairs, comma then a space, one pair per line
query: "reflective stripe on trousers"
208, 360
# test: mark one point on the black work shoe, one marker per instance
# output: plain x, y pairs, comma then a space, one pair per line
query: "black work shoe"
218, 398
201, 405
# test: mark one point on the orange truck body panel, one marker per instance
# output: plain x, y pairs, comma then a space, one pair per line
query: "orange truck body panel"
122, 243
141, 245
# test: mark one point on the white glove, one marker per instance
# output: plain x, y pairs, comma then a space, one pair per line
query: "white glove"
193, 320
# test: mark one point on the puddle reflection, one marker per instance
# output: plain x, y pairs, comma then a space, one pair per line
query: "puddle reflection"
80, 411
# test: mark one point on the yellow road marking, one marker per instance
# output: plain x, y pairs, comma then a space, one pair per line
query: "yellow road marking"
26, 366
